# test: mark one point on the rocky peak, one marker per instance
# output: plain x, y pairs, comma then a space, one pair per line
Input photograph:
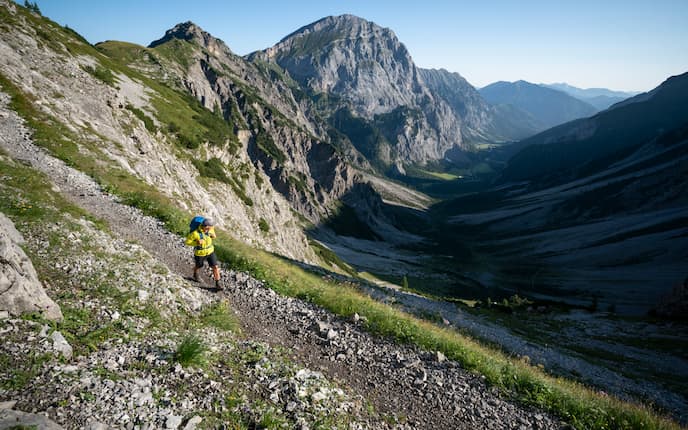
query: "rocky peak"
343, 26
190, 32
352, 57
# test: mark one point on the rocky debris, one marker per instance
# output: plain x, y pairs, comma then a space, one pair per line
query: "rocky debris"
406, 381
138, 385
20, 290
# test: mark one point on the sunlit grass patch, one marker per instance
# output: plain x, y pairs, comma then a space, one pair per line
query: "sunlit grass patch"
220, 316
191, 351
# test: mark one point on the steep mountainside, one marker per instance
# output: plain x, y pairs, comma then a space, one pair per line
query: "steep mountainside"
366, 83
106, 152
549, 107
594, 210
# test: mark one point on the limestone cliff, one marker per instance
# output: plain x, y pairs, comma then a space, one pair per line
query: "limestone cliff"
362, 67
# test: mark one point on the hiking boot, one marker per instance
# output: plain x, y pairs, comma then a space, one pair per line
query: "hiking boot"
195, 277
217, 284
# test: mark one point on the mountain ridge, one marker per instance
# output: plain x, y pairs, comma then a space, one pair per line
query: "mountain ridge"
549, 106
369, 72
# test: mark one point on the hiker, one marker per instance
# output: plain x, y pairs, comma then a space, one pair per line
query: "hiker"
201, 239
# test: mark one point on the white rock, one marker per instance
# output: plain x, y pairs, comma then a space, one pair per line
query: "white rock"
173, 421
193, 422
319, 397
61, 345
21, 290
143, 295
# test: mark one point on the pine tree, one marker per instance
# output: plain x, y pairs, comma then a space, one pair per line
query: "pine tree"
33, 7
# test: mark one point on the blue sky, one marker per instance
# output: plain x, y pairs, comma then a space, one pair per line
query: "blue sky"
631, 45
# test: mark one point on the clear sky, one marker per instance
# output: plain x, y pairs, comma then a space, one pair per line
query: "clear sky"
631, 45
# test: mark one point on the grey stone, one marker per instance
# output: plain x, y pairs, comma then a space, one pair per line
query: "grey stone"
173, 421
20, 290
193, 422
61, 345
11, 418
8, 404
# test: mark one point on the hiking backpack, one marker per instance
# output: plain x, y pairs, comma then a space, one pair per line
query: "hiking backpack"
195, 223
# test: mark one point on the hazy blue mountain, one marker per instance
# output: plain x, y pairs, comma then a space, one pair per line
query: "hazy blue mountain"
600, 98
500, 122
548, 106
591, 144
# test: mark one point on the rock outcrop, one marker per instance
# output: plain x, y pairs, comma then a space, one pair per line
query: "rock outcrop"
20, 290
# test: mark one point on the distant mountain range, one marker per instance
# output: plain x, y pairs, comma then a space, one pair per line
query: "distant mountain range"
547, 106
550, 105
600, 98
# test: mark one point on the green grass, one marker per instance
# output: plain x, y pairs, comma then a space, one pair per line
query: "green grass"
147, 121
429, 174
331, 259
103, 74
191, 351
20, 374
220, 316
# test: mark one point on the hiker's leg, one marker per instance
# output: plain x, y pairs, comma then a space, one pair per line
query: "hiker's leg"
198, 263
212, 262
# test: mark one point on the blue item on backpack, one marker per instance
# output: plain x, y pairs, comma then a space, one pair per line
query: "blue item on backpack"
195, 223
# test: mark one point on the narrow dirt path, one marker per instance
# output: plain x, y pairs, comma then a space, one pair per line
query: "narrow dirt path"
415, 389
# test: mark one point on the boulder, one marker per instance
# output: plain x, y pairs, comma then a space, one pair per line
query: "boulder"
20, 290
18, 419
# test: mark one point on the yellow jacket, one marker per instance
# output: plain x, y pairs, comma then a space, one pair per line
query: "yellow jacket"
202, 243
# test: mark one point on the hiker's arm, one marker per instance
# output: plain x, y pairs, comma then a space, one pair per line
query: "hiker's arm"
211, 233
192, 239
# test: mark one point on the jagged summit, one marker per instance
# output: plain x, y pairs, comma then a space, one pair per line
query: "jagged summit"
191, 32
349, 55
347, 24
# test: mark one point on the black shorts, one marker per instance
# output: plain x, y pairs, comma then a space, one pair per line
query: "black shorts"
212, 260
